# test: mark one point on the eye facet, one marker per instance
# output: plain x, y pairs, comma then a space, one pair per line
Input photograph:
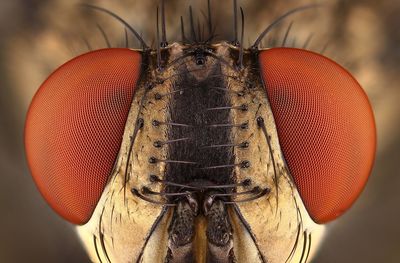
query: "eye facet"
74, 128
325, 126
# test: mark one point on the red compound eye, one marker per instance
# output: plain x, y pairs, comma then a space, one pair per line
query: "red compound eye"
74, 128
325, 127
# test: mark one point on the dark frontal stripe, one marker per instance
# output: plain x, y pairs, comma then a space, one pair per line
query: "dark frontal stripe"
190, 108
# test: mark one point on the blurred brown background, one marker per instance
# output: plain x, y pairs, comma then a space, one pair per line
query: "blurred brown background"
36, 36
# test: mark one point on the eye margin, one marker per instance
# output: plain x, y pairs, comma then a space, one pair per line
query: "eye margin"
313, 198
62, 194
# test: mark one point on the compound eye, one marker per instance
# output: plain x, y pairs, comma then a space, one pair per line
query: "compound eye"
325, 126
74, 128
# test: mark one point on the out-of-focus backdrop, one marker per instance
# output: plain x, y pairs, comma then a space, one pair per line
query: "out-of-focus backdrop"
36, 36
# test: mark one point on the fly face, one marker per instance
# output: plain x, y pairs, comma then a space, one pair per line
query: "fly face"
200, 176
200, 151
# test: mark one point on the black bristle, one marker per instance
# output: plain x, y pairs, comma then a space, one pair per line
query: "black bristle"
278, 20
131, 29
